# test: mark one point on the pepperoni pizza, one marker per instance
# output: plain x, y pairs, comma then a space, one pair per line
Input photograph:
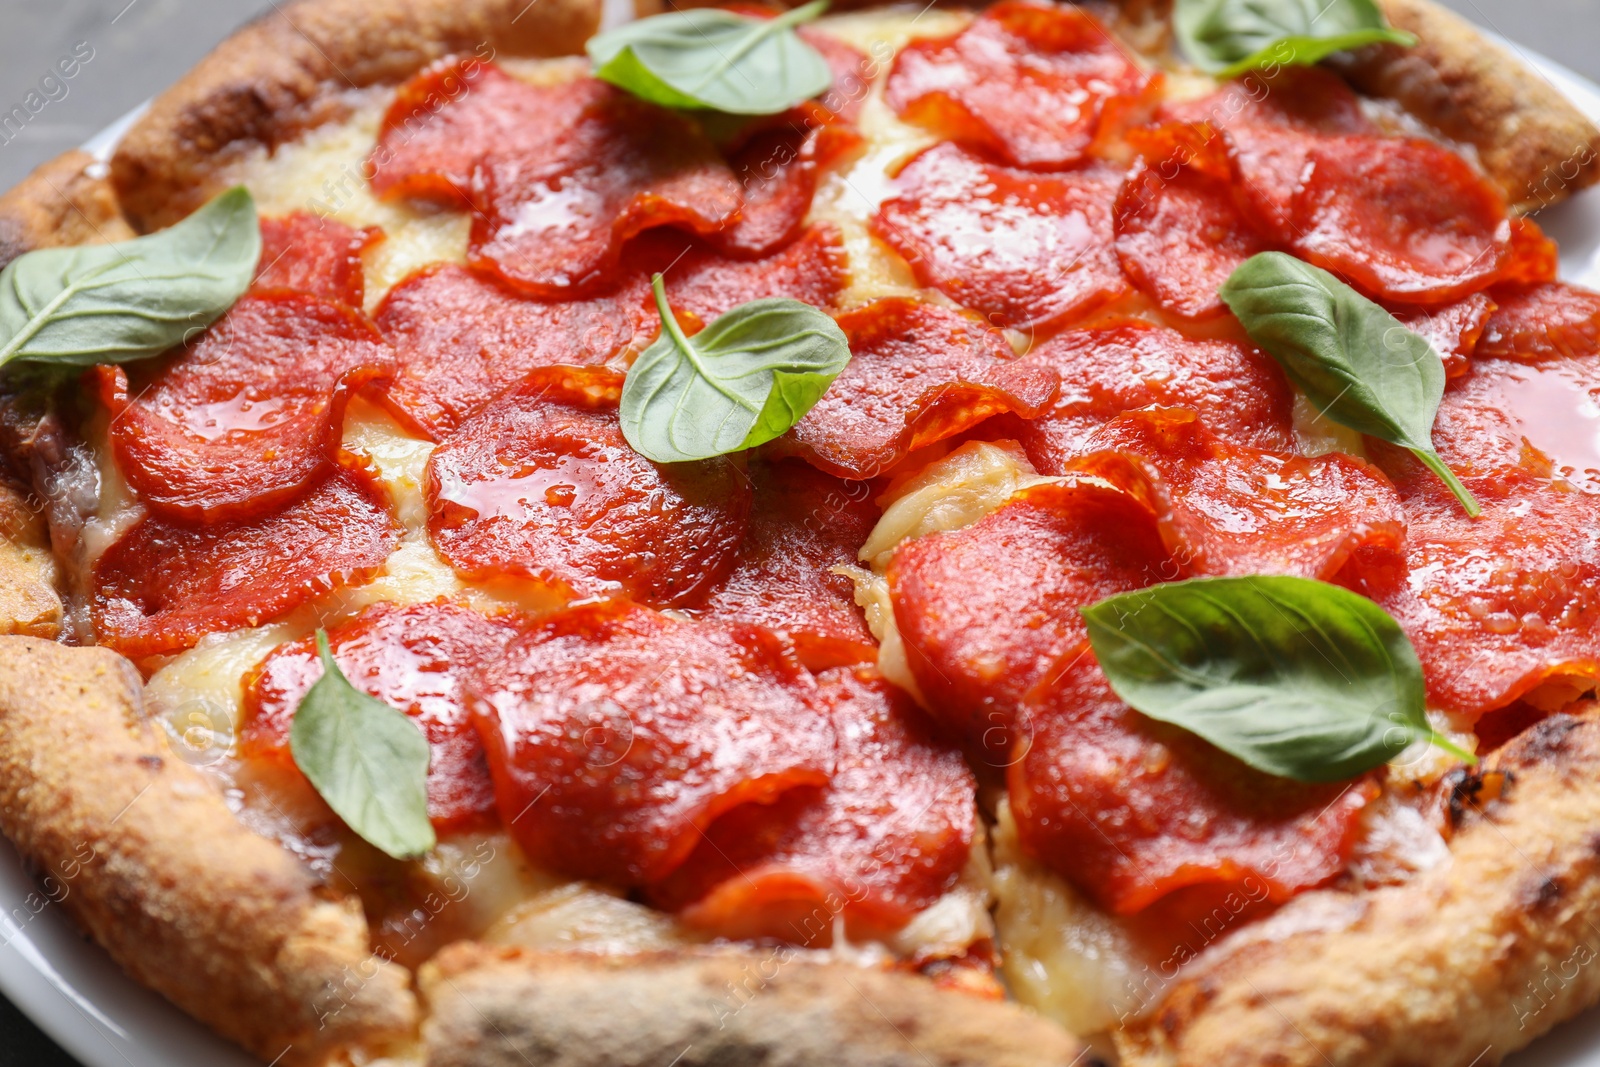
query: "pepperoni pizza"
408, 668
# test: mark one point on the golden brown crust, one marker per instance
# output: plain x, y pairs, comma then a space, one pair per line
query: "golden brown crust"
29, 603
1530, 138
223, 922
291, 69
494, 1007
67, 201
1465, 964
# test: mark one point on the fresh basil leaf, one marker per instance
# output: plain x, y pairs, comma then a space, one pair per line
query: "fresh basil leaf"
367, 760
740, 382
1297, 678
1356, 362
1229, 37
714, 60
112, 303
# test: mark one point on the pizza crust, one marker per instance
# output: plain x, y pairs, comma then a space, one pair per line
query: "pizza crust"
492, 1007
150, 861
1464, 964
67, 201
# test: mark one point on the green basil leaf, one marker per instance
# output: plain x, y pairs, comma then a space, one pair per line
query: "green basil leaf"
1356, 362
740, 382
112, 303
367, 760
1297, 678
1229, 37
714, 60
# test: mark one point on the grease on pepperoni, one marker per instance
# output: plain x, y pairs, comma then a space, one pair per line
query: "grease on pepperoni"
1021, 248
1536, 322
876, 845
812, 269
414, 659
803, 523
1533, 258
1238, 391
777, 172
1228, 509
616, 735
320, 257
541, 485
559, 176
1401, 218
1131, 810
1032, 84
162, 587
918, 373
1179, 235
242, 421
988, 611
1452, 329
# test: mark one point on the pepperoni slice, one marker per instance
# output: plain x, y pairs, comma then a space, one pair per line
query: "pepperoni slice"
853, 74
1555, 319
1033, 84
1402, 218
1179, 236
1452, 329
320, 257
162, 587
1023, 249
542, 485
411, 658
460, 339
1499, 604
1130, 810
879, 843
812, 269
1239, 393
1269, 126
778, 172
238, 424
1533, 259
560, 176
803, 523
1231, 509
987, 611
918, 373
615, 735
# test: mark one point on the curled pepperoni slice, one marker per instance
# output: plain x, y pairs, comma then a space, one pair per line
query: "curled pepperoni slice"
615, 735
812, 269
542, 485
320, 257
1533, 259
1231, 509
1023, 249
918, 373
239, 423
1131, 810
460, 339
411, 658
1452, 329
1033, 84
777, 173
1179, 235
988, 611
1238, 392
560, 175
803, 523
1500, 604
1401, 218
1540, 321
879, 843
162, 587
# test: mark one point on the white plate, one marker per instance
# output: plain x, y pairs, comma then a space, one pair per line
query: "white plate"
80, 998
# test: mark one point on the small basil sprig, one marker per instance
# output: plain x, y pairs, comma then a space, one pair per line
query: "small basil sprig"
1351, 358
714, 60
1297, 678
367, 760
1229, 37
116, 302
740, 382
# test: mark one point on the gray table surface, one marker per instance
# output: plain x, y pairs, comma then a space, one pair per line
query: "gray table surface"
131, 49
